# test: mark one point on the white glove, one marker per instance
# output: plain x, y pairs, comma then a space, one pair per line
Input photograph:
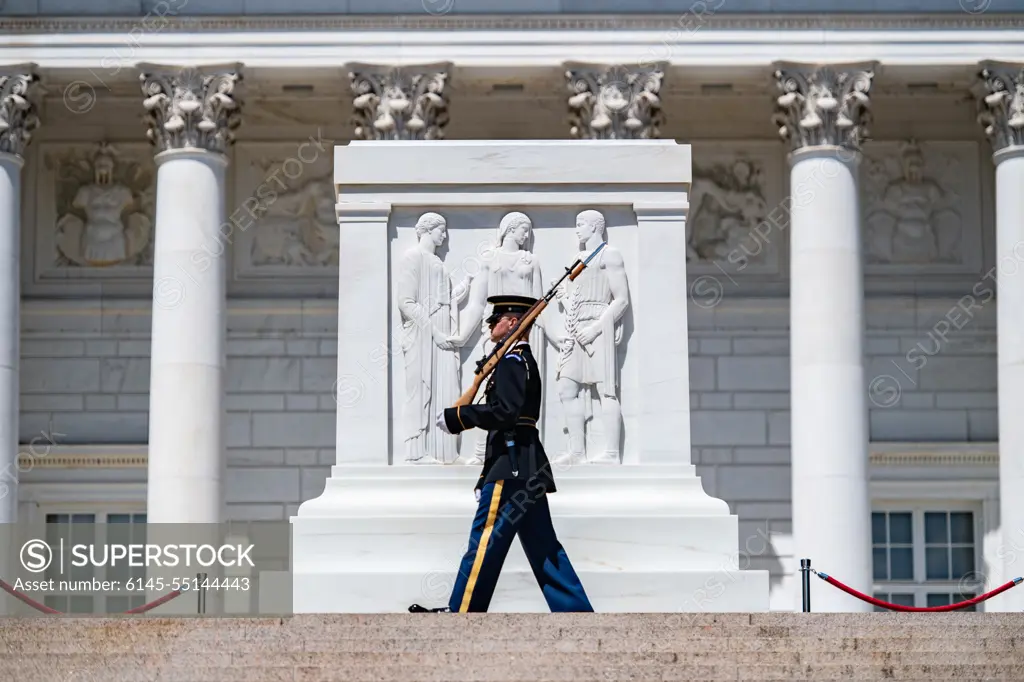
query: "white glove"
477, 493
441, 424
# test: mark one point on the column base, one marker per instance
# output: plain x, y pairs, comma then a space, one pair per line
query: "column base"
643, 538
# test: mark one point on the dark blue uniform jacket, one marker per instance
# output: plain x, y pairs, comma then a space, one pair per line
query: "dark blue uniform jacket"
512, 406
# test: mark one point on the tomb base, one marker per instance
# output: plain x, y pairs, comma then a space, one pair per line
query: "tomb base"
643, 538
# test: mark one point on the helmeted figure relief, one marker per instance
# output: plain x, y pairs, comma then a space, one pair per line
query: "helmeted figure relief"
912, 218
298, 227
594, 304
508, 269
427, 302
728, 204
105, 211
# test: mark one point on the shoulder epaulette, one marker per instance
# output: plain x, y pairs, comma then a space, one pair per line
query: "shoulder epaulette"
515, 355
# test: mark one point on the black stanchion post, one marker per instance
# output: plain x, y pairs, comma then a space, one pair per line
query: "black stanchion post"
201, 592
805, 570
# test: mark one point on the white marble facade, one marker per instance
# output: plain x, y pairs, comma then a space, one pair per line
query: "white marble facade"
82, 186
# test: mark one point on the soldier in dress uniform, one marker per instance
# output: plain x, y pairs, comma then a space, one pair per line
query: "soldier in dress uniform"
516, 478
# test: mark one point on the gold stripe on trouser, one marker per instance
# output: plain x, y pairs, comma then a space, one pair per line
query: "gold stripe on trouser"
481, 549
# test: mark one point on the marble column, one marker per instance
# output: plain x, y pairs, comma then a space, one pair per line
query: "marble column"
191, 115
614, 102
822, 113
18, 120
1002, 113
399, 103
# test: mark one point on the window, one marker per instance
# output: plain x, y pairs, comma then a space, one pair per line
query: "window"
925, 556
74, 591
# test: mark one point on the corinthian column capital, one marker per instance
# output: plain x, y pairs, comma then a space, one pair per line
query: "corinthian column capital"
1001, 103
191, 107
18, 117
823, 105
399, 103
614, 102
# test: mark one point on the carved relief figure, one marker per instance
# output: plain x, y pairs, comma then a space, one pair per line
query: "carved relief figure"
509, 269
911, 216
105, 210
594, 304
728, 204
299, 227
427, 303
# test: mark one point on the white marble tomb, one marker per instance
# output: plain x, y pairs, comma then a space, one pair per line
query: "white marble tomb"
426, 229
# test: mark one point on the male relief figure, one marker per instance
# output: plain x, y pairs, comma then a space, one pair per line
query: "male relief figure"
594, 304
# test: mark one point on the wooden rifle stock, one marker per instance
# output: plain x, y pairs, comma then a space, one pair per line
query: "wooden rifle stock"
487, 365
491, 361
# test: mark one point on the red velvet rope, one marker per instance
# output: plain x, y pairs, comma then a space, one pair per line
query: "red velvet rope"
6, 587
899, 607
9, 589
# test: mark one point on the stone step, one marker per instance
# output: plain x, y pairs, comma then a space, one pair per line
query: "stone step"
286, 637
170, 646
521, 657
439, 623
532, 619
445, 622
515, 647
580, 671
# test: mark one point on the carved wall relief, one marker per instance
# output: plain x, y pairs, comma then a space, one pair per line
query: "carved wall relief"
509, 268
105, 208
920, 205
727, 202
298, 228
284, 219
593, 304
521, 249
738, 214
428, 303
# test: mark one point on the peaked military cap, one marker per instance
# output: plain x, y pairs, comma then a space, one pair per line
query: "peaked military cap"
508, 304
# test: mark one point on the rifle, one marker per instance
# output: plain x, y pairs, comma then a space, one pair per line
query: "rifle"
485, 366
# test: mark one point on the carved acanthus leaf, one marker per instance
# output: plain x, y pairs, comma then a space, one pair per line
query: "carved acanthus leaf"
195, 108
18, 118
400, 103
826, 105
1002, 103
614, 102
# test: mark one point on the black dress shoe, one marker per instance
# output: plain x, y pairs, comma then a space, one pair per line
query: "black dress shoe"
416, 608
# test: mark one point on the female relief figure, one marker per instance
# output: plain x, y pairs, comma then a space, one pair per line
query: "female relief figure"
510, 269
427, 301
